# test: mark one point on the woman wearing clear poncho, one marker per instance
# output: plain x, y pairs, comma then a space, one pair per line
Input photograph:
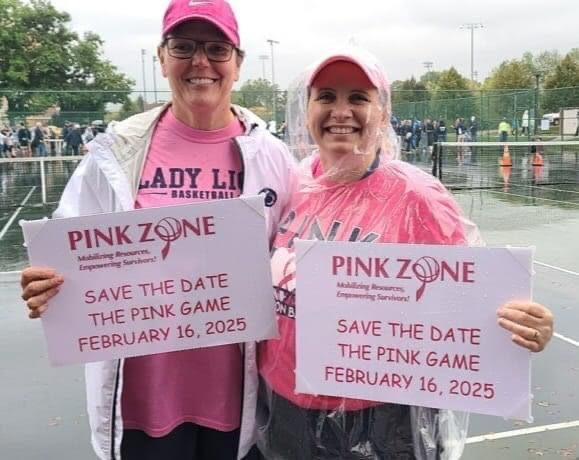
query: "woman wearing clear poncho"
353, 189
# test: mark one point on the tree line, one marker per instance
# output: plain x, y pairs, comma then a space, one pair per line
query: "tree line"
552, 72
39, 52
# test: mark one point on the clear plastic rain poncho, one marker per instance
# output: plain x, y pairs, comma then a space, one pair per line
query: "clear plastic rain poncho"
352, 189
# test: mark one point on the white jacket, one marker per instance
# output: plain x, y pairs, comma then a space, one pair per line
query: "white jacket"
107, 180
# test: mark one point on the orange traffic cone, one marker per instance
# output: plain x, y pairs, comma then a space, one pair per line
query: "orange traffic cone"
506, 159
538, 159
506, 174
537, 174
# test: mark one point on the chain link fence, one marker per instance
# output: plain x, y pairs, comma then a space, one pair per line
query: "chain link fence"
551, 112
529, 112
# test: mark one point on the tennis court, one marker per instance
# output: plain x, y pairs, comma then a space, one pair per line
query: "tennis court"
534, 203
44, 414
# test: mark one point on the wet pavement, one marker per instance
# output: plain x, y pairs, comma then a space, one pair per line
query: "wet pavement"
43, 409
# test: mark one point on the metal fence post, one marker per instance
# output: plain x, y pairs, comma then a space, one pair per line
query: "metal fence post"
43, 180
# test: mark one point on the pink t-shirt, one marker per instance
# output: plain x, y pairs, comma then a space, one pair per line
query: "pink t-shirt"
201, 386
397, 203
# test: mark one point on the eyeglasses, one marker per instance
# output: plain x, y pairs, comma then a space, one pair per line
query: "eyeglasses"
185, 48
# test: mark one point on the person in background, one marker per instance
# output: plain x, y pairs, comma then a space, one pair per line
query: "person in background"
195, 404
65, 130
473, 134
74, 139
504, 129
441, 132
429, 129
440, 135
37, 143
416, 134
4, 143
88, 134
460, 137
353, 189
24, 140
51, 139
473, 129
525, 123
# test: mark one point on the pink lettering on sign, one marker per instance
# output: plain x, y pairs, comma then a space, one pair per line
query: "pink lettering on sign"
350, 351
426, 269
360, 327
107, 294
410, 331
150, 289
455, 334
167, 229
356, 266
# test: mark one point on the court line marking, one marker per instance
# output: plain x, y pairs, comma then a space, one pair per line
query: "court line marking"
533, 197
509, 144
559, 269
569, 272
522, 432
566, 339
15, 215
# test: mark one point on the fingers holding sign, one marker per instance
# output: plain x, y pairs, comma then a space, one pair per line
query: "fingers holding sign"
530, 323
39, 285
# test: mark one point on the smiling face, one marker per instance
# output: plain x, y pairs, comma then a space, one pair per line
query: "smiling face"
200, 87
345, 114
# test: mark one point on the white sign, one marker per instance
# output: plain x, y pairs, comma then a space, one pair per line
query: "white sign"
155, 280
412, 324
545, 125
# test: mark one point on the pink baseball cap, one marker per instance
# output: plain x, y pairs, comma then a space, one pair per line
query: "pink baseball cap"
217, 12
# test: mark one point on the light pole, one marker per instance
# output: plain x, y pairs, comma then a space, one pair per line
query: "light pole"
536, 117
428, 65
143, 53
471, 26
263, 58
271, 43
155, 78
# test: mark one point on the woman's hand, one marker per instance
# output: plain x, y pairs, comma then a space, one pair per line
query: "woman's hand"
39, 285
531, 324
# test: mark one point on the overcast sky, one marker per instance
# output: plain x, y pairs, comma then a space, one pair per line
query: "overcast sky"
402, 34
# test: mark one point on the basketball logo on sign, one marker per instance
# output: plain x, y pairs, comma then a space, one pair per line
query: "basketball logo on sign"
427, 270
168, 229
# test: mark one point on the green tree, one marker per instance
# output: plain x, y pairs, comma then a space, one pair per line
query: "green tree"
38, 52
574, 53
543, 64
510, 91
430, 80
409, 91
452, 96
562, 87
131, 107
451, 85
446, 94
408, 98
257, 95
513, 74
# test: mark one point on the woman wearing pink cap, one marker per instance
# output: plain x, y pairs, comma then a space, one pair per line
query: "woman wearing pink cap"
353, 189
195, 404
